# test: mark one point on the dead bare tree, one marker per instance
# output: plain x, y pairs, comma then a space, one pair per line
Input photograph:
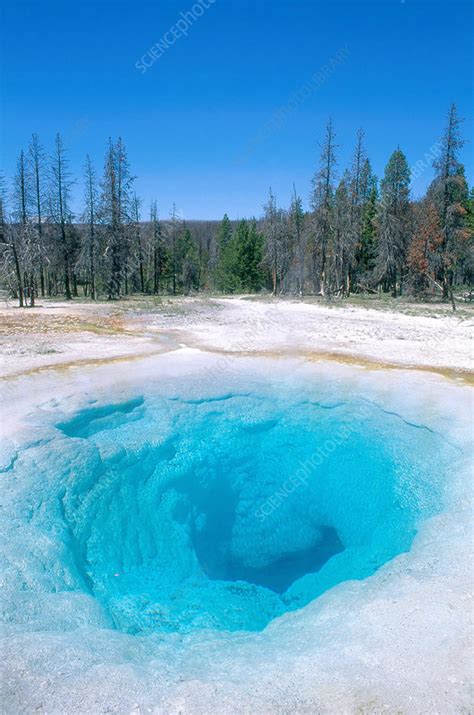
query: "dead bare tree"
91, 201
37, 157
62, 217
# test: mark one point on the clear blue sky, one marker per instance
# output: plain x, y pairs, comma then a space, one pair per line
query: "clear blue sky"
187, 121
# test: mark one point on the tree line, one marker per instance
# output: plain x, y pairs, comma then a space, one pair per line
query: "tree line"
361, 234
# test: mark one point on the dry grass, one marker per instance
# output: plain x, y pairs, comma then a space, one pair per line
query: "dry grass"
32, 322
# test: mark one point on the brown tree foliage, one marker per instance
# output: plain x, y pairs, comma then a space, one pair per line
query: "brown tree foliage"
424, 247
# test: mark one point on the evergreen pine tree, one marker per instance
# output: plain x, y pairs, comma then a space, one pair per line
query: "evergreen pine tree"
223, 279
323, 208
393, 221
297, 230
449, 194
341, 256
187, 262
368, 245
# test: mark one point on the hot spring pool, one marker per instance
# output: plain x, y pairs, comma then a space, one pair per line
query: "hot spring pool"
187, 507
195, 534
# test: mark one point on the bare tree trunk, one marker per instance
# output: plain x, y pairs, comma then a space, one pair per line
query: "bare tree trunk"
18, 273
32, 290
91, 262
140, 262
67, 283
451, 295
301, 265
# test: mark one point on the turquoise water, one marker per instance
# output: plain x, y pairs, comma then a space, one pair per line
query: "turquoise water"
225, 512
197, 532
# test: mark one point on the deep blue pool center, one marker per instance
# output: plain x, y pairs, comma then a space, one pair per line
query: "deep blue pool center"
227, 511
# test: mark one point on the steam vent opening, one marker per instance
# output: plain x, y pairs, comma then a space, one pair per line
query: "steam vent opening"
225, 512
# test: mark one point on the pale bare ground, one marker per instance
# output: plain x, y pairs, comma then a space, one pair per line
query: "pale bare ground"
407, 638
398, 334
